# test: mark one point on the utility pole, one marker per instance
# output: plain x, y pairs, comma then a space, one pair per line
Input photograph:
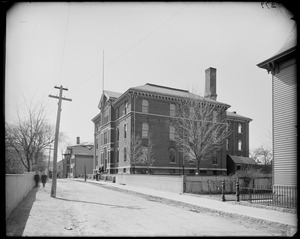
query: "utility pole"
54, 173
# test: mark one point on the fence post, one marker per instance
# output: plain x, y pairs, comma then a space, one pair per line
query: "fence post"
237, 189
183, 183
223, 190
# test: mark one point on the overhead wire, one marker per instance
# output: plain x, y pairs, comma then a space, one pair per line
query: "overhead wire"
134, 45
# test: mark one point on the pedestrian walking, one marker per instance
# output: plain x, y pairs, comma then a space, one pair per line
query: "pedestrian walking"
44, 179
37, 178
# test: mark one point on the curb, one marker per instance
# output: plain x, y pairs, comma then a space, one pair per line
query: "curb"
284, 228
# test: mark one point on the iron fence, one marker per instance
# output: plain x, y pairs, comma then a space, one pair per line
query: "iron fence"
278, 196
259, 195
285, 196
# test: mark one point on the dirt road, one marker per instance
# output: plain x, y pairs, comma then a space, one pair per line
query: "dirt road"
84, 209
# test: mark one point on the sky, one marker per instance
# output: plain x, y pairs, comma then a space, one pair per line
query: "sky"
166, 43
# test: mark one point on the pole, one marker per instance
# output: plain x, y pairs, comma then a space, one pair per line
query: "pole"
54, 174
49, 162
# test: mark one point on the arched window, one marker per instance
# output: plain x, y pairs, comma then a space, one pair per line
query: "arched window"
145, 129
240, 144
172, 110
239, 128
125, 154
145, 106
125, 130
172, 132
172, 155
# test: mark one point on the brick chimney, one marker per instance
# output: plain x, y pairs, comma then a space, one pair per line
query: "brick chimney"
77, 140
211, 83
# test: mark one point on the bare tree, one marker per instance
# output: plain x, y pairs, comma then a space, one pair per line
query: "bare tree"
135, 152
200, 128
148, 158
263, 155
29, 136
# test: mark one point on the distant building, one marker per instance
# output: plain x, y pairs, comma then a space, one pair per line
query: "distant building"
60, 171
78, 160
283, 67
147, 110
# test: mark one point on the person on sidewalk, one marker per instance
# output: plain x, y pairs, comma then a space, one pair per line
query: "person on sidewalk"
37, 179
44, 179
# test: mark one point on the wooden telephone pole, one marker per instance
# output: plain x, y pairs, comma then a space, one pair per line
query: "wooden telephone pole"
54, 174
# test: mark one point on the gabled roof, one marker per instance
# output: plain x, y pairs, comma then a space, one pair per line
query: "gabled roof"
108, 95
235, 115
112, 94
288, 47
242, 160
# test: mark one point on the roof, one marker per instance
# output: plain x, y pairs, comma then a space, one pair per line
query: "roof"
168, 91
108, 95
111, 94
235, 115
288, 47
242, 160
82, 149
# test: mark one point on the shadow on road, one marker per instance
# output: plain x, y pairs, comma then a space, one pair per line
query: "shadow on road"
16, 222
98, 203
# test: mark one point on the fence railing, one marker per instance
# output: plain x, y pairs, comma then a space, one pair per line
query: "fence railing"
285, 196
257, 195
278, 196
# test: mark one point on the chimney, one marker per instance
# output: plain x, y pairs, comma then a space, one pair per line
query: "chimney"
211, 83
77, 140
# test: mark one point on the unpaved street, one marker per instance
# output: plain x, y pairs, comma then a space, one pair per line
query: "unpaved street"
85, 209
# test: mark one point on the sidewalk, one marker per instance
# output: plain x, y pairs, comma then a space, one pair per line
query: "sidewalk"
232, 209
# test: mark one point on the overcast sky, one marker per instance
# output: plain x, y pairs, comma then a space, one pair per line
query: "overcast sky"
169, 44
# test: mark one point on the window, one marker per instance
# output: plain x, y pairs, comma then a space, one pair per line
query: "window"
125, 154
118, 134
125, 130
227, 127
172, 132
215, 158
238, 167
105, 137
239, 128
172, 155
192, 112
145, 106
145, 129
106, 112
227, 144
145, 153
102, 158
101, 139
240, 144
124, 170
105, 154
126, 107
215, 114
117, 155
172, 110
